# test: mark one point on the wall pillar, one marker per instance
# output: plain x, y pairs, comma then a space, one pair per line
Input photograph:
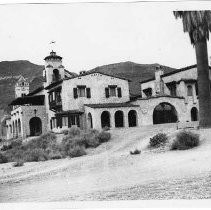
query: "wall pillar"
112, 119
126, 124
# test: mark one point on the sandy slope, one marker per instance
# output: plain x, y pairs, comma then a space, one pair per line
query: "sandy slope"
109, 172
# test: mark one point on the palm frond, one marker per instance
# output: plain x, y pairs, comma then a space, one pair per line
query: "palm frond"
196, 23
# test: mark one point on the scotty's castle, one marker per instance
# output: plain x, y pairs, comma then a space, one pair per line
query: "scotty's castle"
96, 100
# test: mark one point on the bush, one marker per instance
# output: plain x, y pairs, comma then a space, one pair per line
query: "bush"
104, 136
6, 147
65, 132
90, 139
16, 143
76, 151
74, 131
43, 142
135, 152
106, 128
185, 140
18, 163
158, 140
35, 155
3, 158
55, 156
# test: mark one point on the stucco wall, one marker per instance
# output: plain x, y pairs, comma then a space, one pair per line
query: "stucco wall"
25, 113
147, 108
96, 115
97, 83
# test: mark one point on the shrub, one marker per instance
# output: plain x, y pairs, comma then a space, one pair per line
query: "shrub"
158, 140
43, 142
76, 151
55, 156
135, 152
35, 155
106, 128
6, 147
74, 131
65, 132
90, 139
104, 136
185, 140
3, 158
16, 143
18, 163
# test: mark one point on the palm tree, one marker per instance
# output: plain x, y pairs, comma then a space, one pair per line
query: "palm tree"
198, 25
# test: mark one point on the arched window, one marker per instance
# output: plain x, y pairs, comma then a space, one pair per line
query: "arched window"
56, 75
19, 126
90, 125
194, 114
190, 90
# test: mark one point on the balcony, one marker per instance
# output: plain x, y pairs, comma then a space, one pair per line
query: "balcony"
56, 104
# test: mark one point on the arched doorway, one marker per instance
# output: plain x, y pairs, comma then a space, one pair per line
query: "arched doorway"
194, 114
164, 113
90, 125
105, 119
132, 118
35, 125
119, 119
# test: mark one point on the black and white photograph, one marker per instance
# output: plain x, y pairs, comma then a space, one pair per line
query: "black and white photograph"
105, 102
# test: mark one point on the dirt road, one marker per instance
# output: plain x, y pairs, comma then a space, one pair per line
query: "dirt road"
110, 173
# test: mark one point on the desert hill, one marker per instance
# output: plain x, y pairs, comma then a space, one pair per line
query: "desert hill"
10, 72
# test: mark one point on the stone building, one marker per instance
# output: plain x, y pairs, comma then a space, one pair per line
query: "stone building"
96, 100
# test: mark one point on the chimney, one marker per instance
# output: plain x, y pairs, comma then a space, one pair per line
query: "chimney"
82, 72
159, 86
158, 72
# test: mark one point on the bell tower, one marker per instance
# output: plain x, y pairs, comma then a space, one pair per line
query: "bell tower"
54, 70
21, 87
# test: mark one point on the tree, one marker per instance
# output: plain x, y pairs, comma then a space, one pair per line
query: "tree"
198, 25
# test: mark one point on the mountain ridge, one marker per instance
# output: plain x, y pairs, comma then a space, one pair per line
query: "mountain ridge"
11, 70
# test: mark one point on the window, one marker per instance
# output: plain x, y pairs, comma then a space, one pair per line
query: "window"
196, 87
148, 92
173, 90
190, 90
81, 92
53, 123
65, 121
112, 91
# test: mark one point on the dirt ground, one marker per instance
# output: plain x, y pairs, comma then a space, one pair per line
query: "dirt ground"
109, 172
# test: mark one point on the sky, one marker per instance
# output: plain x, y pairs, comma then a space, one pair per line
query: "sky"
88, 35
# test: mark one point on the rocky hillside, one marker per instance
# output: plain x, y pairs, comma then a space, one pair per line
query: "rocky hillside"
10, 72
